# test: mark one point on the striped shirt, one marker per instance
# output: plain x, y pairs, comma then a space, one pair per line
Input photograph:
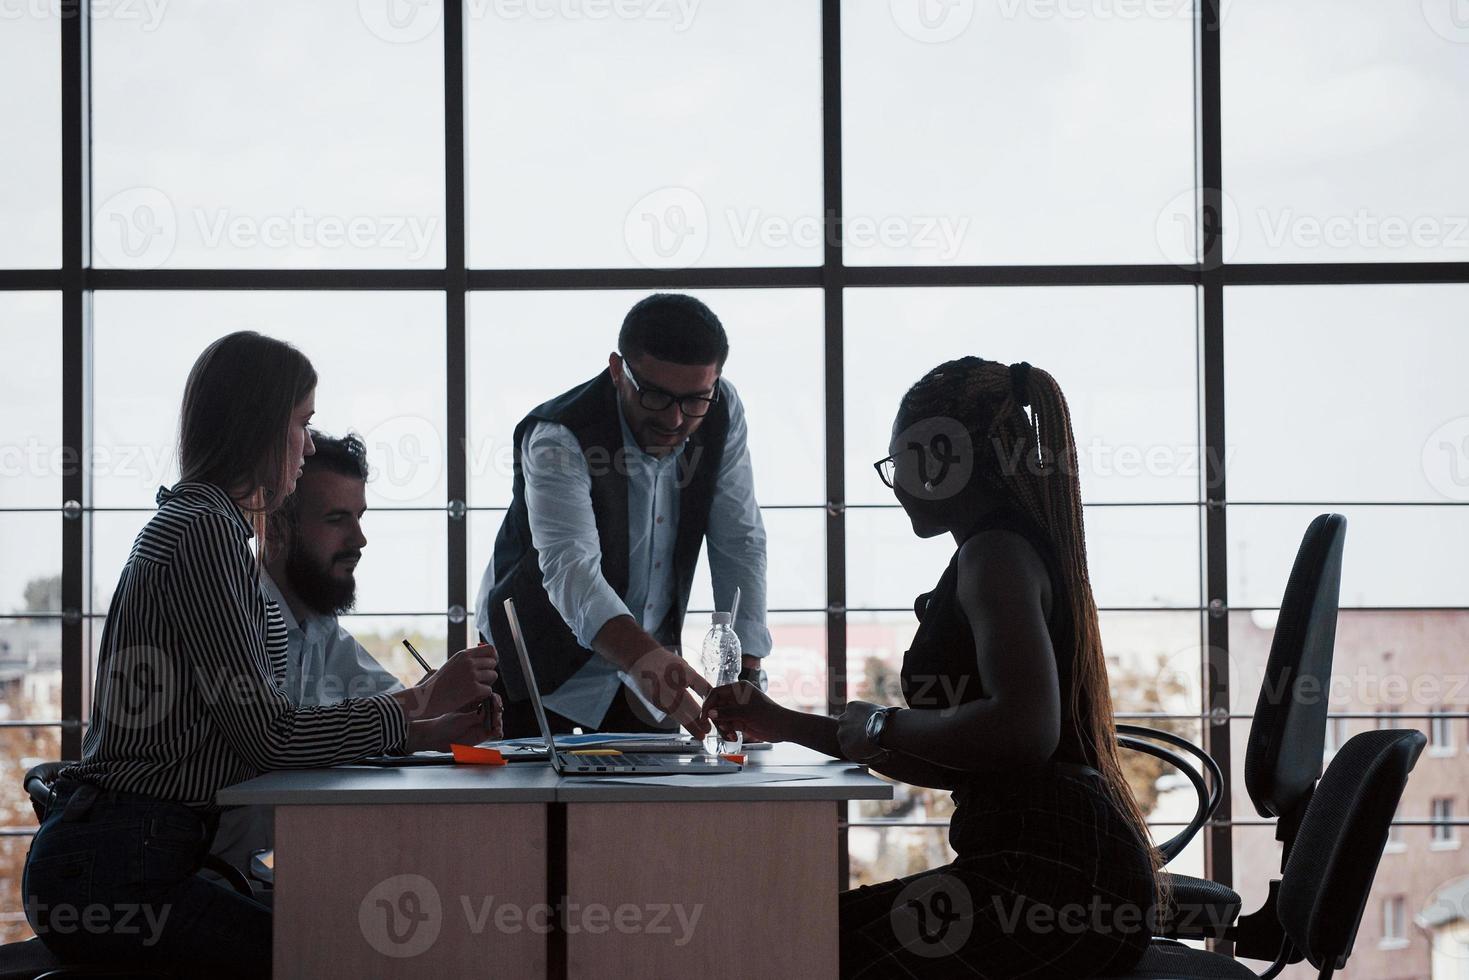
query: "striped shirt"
189, 689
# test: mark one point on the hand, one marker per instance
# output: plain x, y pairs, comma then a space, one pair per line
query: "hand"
852, 732
464, 681
468, 727
665, 680
743, 707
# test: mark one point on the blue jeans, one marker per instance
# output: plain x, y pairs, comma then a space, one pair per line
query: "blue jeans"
110, 878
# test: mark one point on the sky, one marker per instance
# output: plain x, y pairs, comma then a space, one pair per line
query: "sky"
228, 134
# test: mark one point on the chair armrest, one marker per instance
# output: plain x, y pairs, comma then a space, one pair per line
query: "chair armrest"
1172, 847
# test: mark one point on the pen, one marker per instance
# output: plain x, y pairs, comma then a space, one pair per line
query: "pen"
421, 662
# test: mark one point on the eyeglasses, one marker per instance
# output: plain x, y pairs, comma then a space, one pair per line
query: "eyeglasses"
656, 399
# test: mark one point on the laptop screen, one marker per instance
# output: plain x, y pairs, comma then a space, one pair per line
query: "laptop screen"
530, 683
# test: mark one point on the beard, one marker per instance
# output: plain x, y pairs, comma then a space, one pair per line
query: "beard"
315, 585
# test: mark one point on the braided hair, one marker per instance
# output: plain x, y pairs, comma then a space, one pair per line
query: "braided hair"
1029, 458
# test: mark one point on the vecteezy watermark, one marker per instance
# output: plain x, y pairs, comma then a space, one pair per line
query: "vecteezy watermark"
403, 916
147, 14
97, 919
139, 228
1449, 19
933, 915
671, 228
409, 21
406, 453
932, 21
1446, 459
1190, 224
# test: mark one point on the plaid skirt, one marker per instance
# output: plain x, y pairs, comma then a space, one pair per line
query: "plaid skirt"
1051, 881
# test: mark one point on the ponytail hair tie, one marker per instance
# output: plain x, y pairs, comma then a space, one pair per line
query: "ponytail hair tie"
1020, 383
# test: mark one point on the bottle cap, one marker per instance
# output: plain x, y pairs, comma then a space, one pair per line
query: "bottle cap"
721, 619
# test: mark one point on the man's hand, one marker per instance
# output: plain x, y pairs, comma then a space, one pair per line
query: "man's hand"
743, 707
666, 680
457, 686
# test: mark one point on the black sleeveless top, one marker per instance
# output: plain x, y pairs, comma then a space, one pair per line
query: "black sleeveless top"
940, 669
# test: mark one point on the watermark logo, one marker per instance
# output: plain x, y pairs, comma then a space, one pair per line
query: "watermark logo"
138, 689
406, 454
933, 916
400, 21
934, 459
668, 228
147, 14
1449, 19
1446, 459
401, 916
932, 21
1187, 227
135, 228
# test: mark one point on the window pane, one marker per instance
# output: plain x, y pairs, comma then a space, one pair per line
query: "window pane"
30, 665
1335, 147
663, 135
30, 155
1144, 557
1395, 556
1124, 357
383, 637
31, 461
1079, 159
379, 357
30, 574
796, 570
521, 354
796, 667
879, 854
1347, 393
302, 138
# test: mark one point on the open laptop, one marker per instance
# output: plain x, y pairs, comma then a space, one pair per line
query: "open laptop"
635, 763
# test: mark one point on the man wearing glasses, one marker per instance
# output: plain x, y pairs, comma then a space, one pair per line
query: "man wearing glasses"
618, 484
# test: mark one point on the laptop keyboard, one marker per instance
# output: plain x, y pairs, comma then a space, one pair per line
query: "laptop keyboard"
609, 761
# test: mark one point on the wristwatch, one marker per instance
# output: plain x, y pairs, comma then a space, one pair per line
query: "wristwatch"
756, 676
876, 724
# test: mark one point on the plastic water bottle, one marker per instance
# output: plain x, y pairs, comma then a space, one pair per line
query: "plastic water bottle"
721, 661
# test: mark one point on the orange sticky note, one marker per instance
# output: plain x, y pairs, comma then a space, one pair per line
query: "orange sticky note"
738, 759
473, 755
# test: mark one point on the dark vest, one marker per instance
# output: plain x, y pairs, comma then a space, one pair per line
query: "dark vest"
590, 412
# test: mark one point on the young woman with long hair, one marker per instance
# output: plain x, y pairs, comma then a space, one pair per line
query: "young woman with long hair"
1008, 706
188, 694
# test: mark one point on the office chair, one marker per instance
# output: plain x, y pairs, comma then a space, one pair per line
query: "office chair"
1328, 876
1285, 749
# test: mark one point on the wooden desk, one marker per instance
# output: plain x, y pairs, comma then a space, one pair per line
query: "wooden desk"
455, 871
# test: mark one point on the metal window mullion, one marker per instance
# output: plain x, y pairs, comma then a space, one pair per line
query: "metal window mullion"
1218, 842
833, 280
456, 285
75, 185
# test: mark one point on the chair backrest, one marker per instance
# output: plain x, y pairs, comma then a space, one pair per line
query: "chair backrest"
1330, 870
1288, 734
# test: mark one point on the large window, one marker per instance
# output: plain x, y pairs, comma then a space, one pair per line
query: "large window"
1239, 243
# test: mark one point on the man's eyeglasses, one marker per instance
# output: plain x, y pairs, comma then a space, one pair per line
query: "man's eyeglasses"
656, 399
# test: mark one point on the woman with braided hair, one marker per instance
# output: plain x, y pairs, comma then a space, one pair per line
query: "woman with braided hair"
1007, 706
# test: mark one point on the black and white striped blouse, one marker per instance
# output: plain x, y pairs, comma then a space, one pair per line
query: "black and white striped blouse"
189, 691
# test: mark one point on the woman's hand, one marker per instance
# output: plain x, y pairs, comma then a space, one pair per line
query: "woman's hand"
469, 727
743, 707
463, 682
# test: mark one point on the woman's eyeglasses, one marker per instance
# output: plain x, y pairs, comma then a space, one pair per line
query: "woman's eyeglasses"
656, 399
887, 467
